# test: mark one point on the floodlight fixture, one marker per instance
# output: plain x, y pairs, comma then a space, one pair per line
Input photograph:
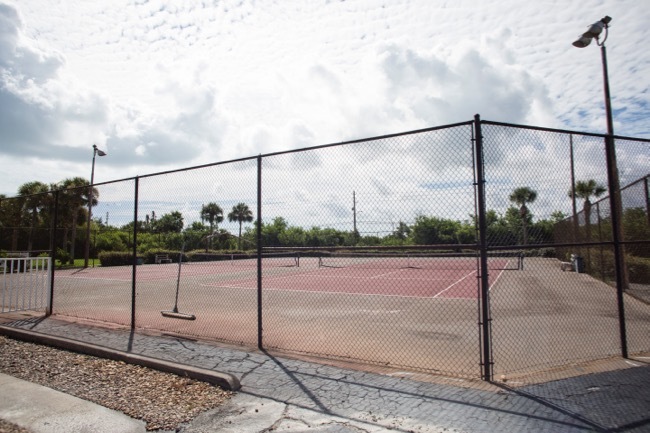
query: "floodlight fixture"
594, 33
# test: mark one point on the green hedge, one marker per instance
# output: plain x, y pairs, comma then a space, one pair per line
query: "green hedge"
639, 269
122, 258
150, 256
602, 266
116, 258
216, 255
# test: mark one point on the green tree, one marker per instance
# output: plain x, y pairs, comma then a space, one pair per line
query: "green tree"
402, 231
240, 213
198, 226
112, 240
73, 203
434, 230
544, 229
328, 237
213, 214
585, 190
293, 237
523, 196
169, 223
637, 228
11, 217
36, 201
271, 232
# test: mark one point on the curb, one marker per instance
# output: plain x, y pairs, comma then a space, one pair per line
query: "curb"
224, 380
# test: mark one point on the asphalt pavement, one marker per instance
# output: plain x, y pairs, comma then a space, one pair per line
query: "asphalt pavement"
281, 394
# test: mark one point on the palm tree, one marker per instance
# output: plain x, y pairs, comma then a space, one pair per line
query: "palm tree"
12, 214
75, 201
240, 213
36, 201
523, 196
213, 214
585, 190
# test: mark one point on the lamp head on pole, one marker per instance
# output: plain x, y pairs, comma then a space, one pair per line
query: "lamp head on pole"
98, 151
594, 32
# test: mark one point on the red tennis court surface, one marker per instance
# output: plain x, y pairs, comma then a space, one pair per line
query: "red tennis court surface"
381, 278
416, 283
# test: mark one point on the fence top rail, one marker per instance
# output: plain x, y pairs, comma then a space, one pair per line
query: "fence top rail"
367, 139
563, 131
342, 143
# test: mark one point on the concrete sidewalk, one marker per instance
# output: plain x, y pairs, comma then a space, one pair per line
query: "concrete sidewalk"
44, 410
295, 396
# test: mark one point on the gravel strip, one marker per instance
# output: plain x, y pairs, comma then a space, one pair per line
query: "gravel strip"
164, 401
7, 427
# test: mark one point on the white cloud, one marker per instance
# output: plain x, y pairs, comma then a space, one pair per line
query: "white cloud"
163, 85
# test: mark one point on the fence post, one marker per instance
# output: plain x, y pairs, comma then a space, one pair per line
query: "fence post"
55, 222
135, 251
260, 344
484, 319
576, 225
647, 199
616, 211
601, 264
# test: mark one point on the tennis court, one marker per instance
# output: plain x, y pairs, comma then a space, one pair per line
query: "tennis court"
403, 275
411, 311
399, 277
399, 312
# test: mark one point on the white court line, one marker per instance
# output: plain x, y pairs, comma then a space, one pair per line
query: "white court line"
440, 293
495, 281
78, 277
318, 273
336, 292
347, 277
387, 273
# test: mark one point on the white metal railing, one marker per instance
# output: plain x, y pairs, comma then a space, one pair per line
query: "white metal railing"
25, 283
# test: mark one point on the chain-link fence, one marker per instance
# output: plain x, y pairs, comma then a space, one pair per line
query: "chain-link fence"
474, 249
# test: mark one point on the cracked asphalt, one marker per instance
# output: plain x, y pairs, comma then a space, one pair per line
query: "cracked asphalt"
289, 395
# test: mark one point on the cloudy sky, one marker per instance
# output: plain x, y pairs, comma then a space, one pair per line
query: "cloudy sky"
162, 84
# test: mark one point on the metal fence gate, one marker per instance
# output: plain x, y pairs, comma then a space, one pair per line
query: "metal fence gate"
26, 283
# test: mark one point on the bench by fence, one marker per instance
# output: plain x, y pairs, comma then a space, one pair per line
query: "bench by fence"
162, 258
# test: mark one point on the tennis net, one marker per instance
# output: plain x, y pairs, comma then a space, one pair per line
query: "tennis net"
419, 260
283, 259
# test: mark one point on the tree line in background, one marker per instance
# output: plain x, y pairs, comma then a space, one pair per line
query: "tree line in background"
25, 220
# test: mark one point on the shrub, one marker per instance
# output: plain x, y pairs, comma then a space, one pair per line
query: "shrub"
639, 269
150, 256
215, 255
603, 266
116, 258
62, 256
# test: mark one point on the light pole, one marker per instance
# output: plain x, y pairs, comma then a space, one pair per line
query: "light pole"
96, 152
615, 203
